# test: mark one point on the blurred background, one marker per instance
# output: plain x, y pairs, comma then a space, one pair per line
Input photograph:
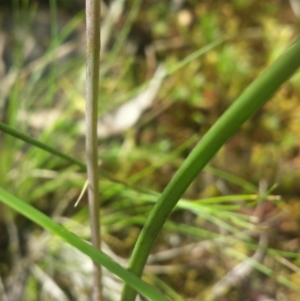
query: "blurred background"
168, 71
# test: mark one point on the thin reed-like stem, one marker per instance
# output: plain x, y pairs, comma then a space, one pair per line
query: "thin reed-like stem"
92, 88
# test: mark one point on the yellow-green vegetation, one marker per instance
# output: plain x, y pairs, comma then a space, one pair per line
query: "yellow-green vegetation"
233, 235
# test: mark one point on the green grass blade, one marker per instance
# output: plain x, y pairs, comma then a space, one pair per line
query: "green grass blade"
122, 36
252, 99
9, 130
177, 66
99, 257
19, 135
231, 178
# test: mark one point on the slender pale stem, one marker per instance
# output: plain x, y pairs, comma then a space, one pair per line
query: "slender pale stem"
92, 88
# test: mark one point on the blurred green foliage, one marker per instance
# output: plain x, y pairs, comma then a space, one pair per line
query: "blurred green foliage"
189, 102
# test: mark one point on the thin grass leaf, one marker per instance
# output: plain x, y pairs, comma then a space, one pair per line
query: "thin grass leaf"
9, 130
236, 198
247, 186
121, 37
19, 135
96, 255
198, 53
265, 270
